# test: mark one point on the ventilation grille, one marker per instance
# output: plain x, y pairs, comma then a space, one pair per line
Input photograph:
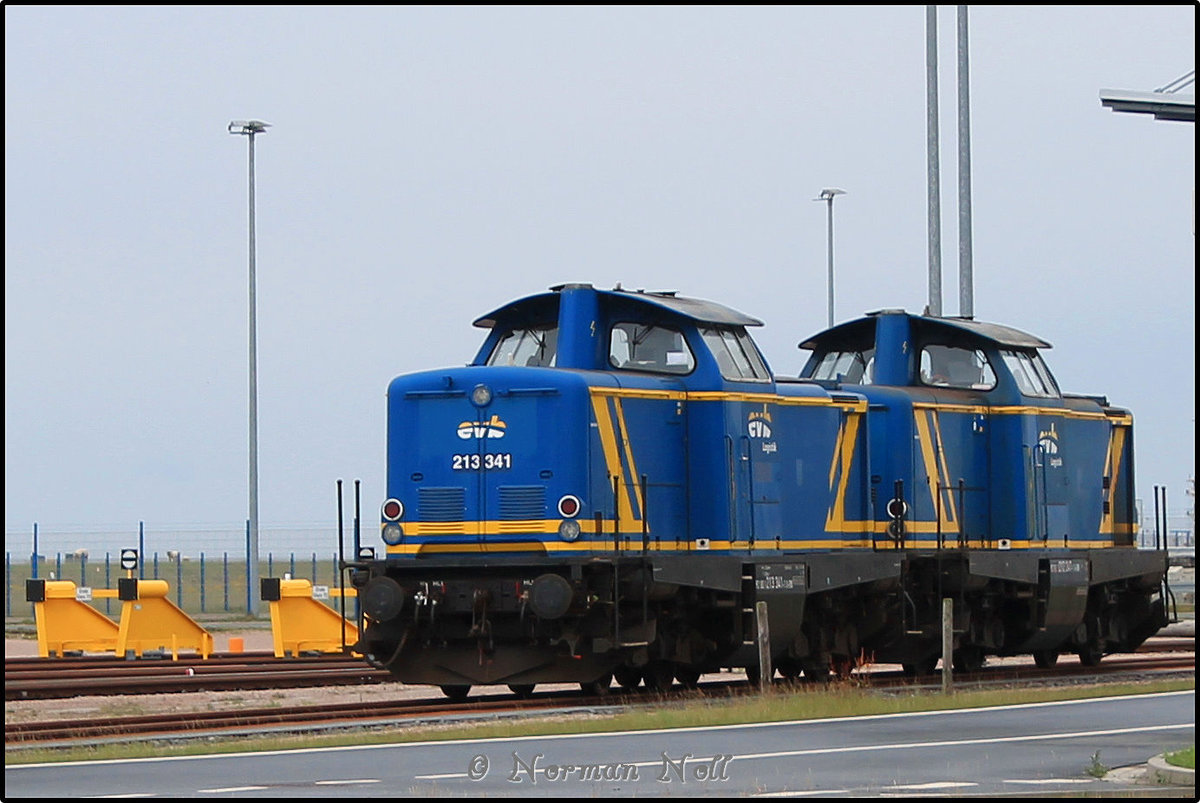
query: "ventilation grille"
441, 504
522, 508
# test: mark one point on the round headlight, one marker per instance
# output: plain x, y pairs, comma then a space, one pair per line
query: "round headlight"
481, 396
392, 534
568, 530
392, 510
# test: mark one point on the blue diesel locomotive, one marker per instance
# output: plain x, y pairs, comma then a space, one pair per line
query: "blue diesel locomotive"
617, 479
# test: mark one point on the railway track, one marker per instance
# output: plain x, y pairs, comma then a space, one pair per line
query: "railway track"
59, 678
46, 679
400, 713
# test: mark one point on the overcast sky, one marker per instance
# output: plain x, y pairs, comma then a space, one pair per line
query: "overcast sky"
426, 165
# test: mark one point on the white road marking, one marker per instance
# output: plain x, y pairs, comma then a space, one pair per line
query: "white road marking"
440, 777
811, 792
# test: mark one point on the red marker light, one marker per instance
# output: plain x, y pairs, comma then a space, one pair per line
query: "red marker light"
569, 506
392, 510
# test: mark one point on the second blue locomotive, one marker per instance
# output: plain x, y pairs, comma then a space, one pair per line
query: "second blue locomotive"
618, 478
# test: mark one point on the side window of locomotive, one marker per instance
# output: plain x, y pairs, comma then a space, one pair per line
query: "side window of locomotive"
646, 347
955, 367
534, 346
736, 354
850, 367
1031, 374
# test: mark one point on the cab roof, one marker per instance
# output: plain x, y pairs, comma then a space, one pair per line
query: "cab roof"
545, 305
864, 327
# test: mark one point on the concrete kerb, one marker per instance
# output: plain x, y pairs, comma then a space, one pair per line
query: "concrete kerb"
1164, 773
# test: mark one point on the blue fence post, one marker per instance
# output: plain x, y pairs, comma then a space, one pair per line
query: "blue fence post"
293, 564
141, 550
58, 565
107, 579
270, 565
201, 582
179, 579
7, 584
34, 557
226, 583
155, 565
314, 570
83, 571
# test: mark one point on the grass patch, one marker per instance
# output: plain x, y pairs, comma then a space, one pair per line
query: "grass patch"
1182, 758
778, 705
1096, 769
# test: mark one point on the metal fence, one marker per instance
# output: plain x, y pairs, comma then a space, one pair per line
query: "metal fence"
206, 584
207, 568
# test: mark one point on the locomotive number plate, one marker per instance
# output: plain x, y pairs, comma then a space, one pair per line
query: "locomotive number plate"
781, 577
476, 462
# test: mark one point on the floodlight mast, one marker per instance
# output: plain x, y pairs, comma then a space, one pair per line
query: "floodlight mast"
249, 128
827, 195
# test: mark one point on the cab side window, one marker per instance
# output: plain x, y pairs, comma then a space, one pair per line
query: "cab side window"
956, 367
651, 348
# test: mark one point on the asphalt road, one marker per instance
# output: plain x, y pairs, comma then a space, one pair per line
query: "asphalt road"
1013, 750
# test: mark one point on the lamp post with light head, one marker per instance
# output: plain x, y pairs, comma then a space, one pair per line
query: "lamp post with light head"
249, 128
827, 195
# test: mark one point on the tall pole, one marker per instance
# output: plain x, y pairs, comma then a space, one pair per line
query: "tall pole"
966, 293
933, 158
249, 128
828, 195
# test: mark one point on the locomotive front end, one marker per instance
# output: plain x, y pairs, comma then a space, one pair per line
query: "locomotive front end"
484, 577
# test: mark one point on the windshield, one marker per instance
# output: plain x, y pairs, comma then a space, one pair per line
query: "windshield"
736, 354
850, 367
1031, 374
535, 346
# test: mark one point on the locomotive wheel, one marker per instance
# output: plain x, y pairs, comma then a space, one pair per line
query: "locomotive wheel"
598, 687
924, 666
753, 676
627, 677
687, 677
788, 668
659, 675
1045, 659
842, 665
1090, 655
815, 669
968, 659
522, 690
455, 692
